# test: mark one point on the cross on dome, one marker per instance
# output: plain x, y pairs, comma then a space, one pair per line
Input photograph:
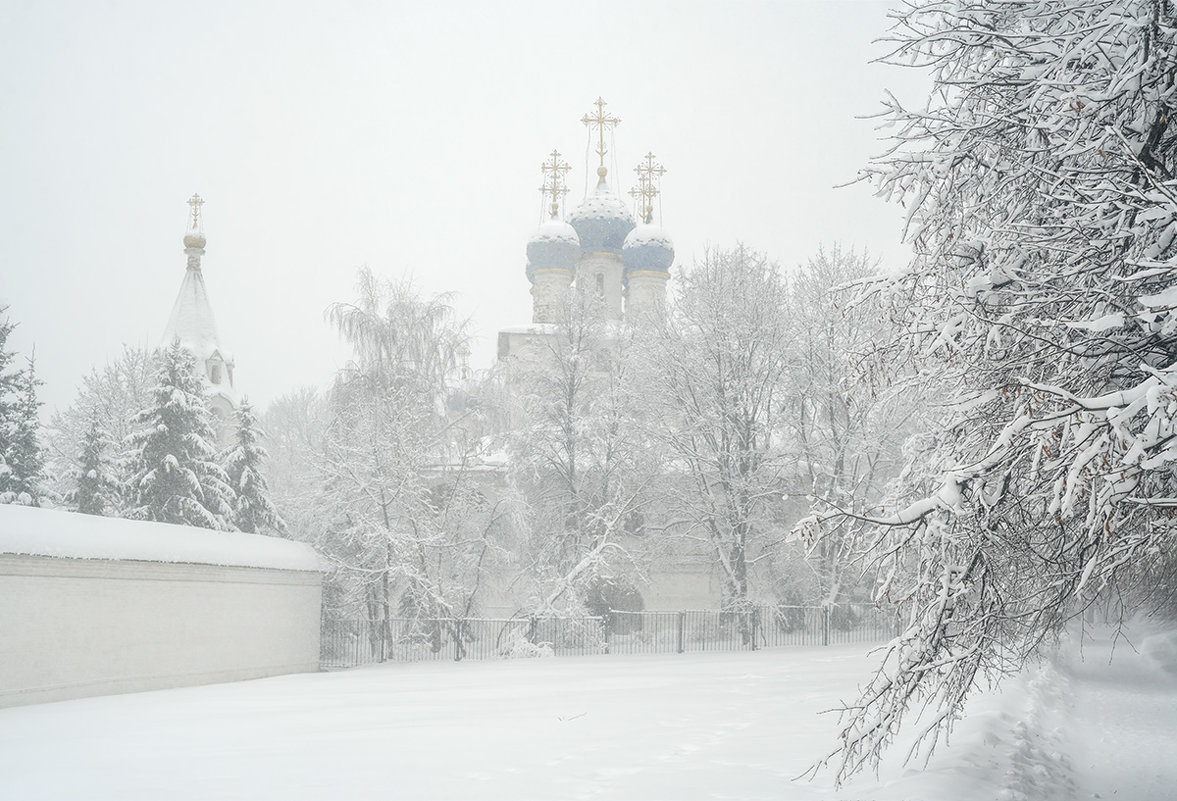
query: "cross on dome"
649, 177
555, 185
195, 202
603, 122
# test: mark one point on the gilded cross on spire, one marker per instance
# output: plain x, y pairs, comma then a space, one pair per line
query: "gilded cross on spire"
195, 202
603, 123
650, 175
554, 184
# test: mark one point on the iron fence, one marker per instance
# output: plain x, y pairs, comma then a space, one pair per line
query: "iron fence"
347, 643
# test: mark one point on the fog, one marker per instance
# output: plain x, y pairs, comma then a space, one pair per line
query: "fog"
405, 137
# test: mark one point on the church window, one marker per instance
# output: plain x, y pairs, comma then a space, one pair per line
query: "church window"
214, 373
600, 285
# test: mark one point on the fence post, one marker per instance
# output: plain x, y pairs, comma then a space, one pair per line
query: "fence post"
755, 626
825, 625
682, 621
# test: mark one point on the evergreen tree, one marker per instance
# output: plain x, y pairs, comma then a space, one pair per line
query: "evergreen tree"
96, 485
175, 477
25, 458
8, 401
110, 396
252, 510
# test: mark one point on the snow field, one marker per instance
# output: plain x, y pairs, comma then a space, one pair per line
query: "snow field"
696, 726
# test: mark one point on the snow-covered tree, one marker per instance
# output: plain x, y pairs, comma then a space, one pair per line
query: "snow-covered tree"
847, 416
22, 481
9, 378
111, 397
1039, 183
720, 367
581, 457
96, 486
175, 477
404, 525
295, 426
253, 511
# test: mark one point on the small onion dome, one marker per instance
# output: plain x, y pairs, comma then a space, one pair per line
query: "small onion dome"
554, 246
194, 239
648, 248
602, 220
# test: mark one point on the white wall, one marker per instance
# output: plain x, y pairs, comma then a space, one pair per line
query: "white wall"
74, 627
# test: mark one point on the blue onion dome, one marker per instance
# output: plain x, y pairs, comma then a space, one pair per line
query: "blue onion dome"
648, 248
554, 246
602, 220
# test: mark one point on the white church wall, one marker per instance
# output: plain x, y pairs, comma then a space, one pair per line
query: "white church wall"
93, 614
599, 275
686, 588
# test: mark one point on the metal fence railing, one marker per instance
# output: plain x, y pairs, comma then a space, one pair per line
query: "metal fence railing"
347, 643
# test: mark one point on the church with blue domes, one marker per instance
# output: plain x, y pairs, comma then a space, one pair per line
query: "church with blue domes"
601, 249
610, 251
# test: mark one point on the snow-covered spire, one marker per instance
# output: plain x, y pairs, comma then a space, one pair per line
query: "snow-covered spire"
192, 320
193, 324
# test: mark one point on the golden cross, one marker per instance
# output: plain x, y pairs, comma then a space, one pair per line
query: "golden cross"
554, 184
195, 202
603, 124
649, 176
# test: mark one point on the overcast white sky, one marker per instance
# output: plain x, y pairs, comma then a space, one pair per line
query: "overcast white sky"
403, 136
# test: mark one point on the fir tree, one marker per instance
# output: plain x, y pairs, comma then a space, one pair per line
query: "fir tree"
25, 457
174, 474
8, 401
252, 510
96, 483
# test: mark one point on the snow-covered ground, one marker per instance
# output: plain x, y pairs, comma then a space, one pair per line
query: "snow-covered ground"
716, 726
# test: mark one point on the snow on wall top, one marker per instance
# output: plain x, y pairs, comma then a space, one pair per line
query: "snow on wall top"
192, 320
68, 535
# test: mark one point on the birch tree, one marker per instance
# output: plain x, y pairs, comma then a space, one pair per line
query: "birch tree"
406, 524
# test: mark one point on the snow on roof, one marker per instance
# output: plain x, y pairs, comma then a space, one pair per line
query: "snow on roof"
69, 535
192, 320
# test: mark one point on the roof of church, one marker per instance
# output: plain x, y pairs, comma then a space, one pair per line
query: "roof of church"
602, 220
648, 247
192, 319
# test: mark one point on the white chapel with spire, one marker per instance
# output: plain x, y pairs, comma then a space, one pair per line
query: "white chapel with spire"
193, 324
